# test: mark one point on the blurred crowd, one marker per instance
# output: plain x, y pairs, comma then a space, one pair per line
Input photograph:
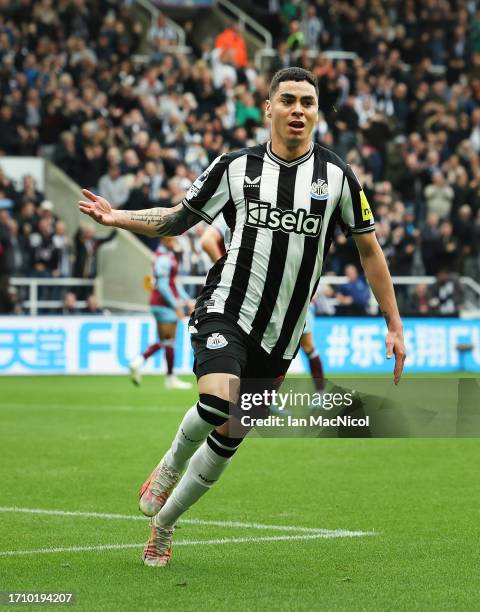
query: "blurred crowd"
404, 113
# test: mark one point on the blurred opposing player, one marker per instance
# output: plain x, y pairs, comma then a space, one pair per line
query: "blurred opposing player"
282, 201
215, 242
167, 301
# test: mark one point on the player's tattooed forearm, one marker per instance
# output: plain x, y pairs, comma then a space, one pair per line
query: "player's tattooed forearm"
166, 221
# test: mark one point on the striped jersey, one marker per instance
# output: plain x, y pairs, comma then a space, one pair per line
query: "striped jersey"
282, 215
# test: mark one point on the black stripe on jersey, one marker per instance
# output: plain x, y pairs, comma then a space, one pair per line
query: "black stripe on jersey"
243, 266
356, 204
230, 214
278, 254
302, 285
334, 220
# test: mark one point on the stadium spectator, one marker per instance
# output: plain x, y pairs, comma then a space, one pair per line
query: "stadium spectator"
70, 304
311, 27
92, 307
448, 252
19, 246
114, 186
9, 301
27, 218
439, 196
30, 192
64, 245
43, 252
446, 295
86, 246
353, 296
232, 38
7, 263
418, 302
162, 31
296, 38
430, 237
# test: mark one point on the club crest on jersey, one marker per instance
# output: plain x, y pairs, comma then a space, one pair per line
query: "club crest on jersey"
251, 182
262, 214
216, 341
319, 189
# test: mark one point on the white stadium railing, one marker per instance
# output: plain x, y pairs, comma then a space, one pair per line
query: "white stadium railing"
33, 304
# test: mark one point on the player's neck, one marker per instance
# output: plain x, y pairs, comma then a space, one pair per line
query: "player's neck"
282, 150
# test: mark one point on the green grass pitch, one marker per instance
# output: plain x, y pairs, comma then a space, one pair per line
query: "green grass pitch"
85, 445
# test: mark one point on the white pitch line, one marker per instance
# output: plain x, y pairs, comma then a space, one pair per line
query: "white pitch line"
313, 536
102, 515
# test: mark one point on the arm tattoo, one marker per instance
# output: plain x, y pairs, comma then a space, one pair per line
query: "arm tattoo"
166, 221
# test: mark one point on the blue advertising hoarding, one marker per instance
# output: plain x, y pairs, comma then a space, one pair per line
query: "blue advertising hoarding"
105, 345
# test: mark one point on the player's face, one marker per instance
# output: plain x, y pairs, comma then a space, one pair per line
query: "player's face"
294, 112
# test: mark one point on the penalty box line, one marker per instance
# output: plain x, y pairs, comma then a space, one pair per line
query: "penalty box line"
104, 547
187, 521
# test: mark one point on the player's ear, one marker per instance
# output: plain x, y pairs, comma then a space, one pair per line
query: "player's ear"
268, 109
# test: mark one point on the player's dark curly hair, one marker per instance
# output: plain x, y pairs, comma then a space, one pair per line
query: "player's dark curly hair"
292, 74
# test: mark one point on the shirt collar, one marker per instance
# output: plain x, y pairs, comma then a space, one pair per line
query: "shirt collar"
284, 162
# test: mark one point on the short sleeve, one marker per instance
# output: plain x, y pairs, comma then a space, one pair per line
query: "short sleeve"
210, 192
355, 210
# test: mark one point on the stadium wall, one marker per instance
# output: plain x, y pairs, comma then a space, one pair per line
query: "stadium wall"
105, 345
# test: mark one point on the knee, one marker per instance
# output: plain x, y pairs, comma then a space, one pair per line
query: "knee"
223, 386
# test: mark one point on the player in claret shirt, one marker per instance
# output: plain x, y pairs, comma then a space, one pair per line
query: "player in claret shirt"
167, 302
281, 201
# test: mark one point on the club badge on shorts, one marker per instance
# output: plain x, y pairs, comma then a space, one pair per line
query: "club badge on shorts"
216, 341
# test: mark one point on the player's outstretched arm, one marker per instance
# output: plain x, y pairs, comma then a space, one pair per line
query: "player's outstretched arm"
151, 222
378, 275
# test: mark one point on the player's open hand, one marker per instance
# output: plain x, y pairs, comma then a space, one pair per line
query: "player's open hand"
396, 346
98, 208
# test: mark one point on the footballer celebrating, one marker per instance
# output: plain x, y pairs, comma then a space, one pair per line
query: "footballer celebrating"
281, 201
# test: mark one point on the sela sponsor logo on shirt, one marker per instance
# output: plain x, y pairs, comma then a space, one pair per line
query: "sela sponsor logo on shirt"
216, 341
262, 214
251, 182
319, 189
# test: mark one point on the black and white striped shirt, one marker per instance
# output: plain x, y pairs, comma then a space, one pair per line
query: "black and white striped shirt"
282, 216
